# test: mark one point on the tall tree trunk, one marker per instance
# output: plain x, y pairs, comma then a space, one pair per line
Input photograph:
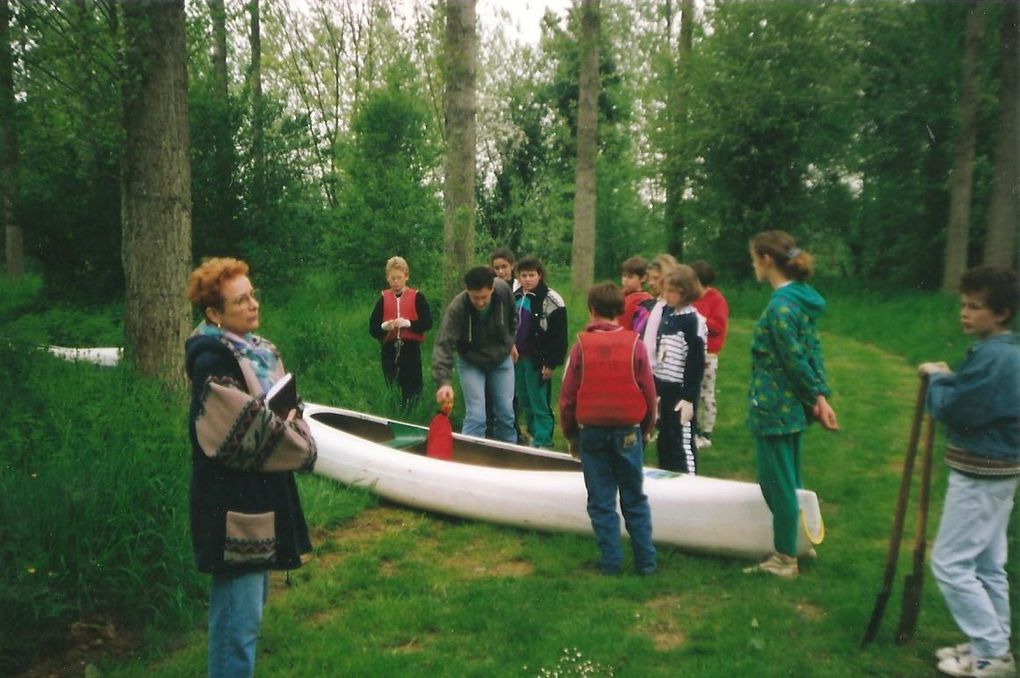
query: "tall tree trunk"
676, 114
13, 240
582, 256
155, 186
222, 216
218, 14
962, 179
257, 107
1001, 238
460, 104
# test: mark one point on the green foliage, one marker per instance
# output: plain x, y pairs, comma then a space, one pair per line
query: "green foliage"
388, 203
770, 93
18, 295
68, 127
93, 496
528, 203
905, 149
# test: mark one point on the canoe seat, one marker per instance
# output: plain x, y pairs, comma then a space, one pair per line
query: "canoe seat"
405, 436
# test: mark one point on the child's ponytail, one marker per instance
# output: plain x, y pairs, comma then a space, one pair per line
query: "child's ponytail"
794, 262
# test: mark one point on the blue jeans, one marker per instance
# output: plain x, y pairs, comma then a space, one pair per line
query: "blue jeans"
611, 459
235, 614
496, 385
969, 559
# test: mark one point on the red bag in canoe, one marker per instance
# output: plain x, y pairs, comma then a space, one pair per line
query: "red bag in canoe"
440, 442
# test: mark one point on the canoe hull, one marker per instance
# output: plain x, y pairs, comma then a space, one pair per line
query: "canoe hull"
706, 515
107, 357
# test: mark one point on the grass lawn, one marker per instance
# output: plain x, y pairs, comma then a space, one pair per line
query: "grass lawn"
392, 591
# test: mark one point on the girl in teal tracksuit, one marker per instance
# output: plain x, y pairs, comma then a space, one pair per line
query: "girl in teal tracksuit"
788, 386
541, 343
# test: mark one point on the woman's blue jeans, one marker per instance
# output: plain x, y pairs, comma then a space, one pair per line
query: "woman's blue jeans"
612, 460
235, 615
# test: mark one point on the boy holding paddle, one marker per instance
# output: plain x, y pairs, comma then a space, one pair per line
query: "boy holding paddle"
980, 406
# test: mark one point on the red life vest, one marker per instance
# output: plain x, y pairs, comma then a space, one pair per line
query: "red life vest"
403, 307
609, 394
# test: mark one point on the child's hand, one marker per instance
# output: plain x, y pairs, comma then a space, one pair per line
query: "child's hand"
825, 414
928, 369
686, 410
402, 322
387, 326
546, 373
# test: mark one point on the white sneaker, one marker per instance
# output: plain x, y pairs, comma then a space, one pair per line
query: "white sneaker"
778, 564
960, 650
702, 443
979, 667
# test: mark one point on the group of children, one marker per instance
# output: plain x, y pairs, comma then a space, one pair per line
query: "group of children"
683, 327
647, 358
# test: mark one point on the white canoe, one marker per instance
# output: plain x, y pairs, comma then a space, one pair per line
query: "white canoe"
523, 487
107, 357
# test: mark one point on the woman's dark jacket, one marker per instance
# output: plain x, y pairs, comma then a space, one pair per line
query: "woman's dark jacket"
268, 529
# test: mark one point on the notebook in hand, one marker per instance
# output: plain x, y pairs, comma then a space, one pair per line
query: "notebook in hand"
282, 396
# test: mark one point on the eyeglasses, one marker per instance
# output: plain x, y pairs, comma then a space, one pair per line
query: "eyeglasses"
247, 299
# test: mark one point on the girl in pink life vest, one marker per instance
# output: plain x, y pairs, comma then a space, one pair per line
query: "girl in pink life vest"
399, 321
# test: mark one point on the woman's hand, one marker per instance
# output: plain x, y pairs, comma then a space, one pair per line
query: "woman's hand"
546, 373
293, 414
514, 355
824, 413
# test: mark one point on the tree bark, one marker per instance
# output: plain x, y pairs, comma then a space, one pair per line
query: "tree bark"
1001, 239
155, 187
257, 107
962, 178
582, 257
460, 104
676, 114
223, 215
9, 185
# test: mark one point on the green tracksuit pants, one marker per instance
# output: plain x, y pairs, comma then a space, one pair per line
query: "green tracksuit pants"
533, 396
779, 478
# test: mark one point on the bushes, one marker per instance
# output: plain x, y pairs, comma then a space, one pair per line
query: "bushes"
93, 502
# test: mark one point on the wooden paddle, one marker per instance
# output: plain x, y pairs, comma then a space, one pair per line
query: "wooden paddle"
901, 507
440, 441
914, 581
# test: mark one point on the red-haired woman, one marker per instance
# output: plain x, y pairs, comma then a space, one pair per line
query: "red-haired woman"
246, 516
788, 386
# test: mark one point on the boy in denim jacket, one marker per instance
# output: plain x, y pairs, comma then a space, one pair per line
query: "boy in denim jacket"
980, 406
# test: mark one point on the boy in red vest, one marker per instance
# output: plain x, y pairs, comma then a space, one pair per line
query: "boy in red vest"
607, 408
399, 321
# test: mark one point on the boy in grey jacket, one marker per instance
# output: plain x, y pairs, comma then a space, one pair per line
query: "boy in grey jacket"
980, 406
477, 333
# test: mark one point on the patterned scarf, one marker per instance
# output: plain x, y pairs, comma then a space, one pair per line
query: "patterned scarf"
259, 353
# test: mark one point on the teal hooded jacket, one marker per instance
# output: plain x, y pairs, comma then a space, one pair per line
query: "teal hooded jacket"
787, 371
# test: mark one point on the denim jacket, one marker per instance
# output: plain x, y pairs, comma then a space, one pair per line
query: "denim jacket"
980, 406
